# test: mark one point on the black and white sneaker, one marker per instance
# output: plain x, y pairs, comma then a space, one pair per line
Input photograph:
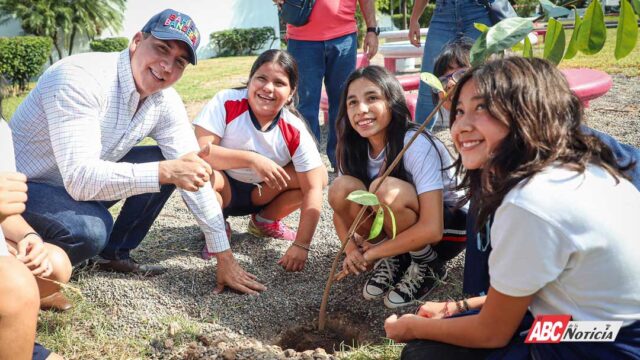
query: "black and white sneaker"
416, 284
386, 273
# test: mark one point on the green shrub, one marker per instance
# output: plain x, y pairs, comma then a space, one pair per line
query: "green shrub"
424, 21
525, 8
236, 42
114, 44
22, 58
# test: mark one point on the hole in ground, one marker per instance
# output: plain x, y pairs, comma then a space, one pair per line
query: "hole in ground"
338, 330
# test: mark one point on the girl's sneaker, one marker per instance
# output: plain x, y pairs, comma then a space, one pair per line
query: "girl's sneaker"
386, 273
206, 255
276, 229
416, 284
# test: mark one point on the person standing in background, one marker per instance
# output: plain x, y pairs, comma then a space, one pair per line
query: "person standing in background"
326, 48
452, 19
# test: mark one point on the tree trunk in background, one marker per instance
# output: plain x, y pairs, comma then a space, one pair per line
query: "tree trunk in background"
72, 39
404, 14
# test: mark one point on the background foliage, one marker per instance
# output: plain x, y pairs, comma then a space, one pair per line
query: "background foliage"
22, 58
236, 42
113, 44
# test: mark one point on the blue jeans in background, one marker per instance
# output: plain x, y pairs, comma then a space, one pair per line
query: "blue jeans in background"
84, 229
452, 19
334, 60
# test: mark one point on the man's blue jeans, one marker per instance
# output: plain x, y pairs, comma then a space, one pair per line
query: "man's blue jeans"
451, 20
85, 229
334, 60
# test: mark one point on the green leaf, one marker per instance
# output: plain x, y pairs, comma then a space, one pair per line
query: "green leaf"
432, 80
627, 30
592, 33
479, 50
553, 11
527, 50
481, 27
393, 222
507, 33
363, 198
636, 6
376, 227
554, 42
572, 49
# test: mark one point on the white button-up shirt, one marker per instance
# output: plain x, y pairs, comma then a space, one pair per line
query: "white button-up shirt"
84, 115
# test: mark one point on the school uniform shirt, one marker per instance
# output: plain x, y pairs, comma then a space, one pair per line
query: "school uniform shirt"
7, 163
423, 164
84, 115
286, 140
571, 241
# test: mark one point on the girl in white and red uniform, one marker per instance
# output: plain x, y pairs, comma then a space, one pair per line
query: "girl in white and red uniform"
266, 163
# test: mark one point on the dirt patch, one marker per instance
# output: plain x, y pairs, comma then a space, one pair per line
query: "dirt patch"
340, 330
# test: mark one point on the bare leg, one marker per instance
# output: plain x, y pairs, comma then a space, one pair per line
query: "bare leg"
61, 271
280, 202
401, 197
19, 305
220, 185
345, 211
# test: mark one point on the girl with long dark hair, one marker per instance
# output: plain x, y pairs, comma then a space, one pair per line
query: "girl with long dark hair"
563, 231
373, 127
266, 163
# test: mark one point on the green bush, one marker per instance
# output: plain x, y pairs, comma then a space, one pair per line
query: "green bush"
22, 58
114, 44
424, 21
236, 42
525, 8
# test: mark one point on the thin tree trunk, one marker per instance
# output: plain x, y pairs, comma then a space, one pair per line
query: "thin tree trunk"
404, 14
72, 39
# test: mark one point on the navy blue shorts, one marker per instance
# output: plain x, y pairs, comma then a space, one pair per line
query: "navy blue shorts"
240, 203
40, 352
454, 237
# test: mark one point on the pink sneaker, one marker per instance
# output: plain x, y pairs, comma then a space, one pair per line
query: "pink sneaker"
276, 229
206, 255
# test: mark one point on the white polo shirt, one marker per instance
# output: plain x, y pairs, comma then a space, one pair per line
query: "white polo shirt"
287, 139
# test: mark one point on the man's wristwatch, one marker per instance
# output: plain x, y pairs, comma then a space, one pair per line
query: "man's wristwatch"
375, 30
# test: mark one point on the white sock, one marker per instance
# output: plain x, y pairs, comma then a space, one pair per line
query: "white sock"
423, 256
261, 219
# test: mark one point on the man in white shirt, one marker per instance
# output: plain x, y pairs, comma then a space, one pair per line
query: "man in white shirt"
75, 137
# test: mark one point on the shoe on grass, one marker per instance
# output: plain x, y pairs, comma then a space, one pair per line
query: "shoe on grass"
386, 273
276, 229
416, 284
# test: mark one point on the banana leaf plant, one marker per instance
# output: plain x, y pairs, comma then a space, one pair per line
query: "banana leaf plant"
589, 34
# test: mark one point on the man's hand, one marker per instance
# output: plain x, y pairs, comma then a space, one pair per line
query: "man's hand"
400, 329
231, 274
13, 194
294, 259
414, 33
370, 45
189, 172
274, 175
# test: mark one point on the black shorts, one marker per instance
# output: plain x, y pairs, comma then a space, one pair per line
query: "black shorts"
240, 203
454, 237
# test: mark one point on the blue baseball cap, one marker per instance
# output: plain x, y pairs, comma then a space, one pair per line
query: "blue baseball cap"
174, 25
